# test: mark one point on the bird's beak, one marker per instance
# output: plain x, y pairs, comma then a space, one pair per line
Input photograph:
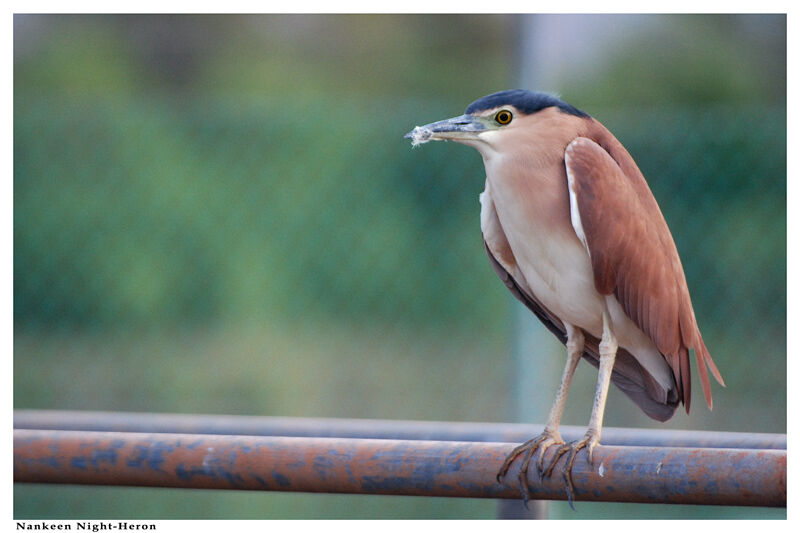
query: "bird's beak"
463, 128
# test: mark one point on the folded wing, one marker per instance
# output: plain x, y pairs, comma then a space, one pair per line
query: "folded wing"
633, 255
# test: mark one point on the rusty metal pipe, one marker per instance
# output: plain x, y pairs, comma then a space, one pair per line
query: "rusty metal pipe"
371, 466
376, 429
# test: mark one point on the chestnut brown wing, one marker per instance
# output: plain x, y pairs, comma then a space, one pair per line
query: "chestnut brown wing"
633, 254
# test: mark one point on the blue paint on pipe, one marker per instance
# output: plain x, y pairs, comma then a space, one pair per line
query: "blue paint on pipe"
234, 479
187, 473
260, 480
393, 484
322, 465
349, 469
454, 461
150, 455
48, 461
211, 468
296, 465
103, 456
280, 479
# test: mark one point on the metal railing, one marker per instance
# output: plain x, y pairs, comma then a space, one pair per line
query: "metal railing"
388, 457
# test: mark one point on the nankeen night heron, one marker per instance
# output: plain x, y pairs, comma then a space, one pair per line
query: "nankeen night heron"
574, 232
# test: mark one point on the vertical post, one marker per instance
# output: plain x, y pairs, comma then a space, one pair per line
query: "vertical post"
536, 361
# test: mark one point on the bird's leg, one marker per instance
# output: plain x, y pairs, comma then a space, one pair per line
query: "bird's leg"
550, 435
608, 352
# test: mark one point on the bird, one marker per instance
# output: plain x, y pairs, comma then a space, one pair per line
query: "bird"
574, 232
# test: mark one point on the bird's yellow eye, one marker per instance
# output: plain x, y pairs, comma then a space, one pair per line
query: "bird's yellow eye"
503, 117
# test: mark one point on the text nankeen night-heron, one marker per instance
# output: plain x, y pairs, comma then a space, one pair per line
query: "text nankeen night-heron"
574, 232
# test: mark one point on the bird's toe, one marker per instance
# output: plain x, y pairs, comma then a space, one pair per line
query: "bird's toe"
547, 443
589, 442
527, 450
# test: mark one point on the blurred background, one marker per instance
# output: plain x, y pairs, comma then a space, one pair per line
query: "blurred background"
219, 214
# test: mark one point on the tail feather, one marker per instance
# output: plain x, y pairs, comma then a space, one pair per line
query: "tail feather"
710, 363
704, 382
685, 377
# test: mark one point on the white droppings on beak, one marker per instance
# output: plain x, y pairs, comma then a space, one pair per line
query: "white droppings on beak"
420, 135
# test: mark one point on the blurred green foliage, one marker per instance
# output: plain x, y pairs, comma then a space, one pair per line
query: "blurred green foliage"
220, 215
151, 214
157, 214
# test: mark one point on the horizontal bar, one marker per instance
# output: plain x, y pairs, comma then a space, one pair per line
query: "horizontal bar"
376, 429
375, 466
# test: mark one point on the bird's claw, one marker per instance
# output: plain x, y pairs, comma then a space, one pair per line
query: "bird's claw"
540, 443
588, 442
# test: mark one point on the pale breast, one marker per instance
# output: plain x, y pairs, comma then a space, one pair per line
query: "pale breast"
553, 264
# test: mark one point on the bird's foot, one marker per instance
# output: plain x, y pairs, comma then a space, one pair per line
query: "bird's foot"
589, 442
541, 443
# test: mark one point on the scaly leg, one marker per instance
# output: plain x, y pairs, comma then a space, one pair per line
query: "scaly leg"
550, 435
608, 352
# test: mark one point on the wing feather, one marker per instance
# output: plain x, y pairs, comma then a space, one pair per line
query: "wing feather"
633, 254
